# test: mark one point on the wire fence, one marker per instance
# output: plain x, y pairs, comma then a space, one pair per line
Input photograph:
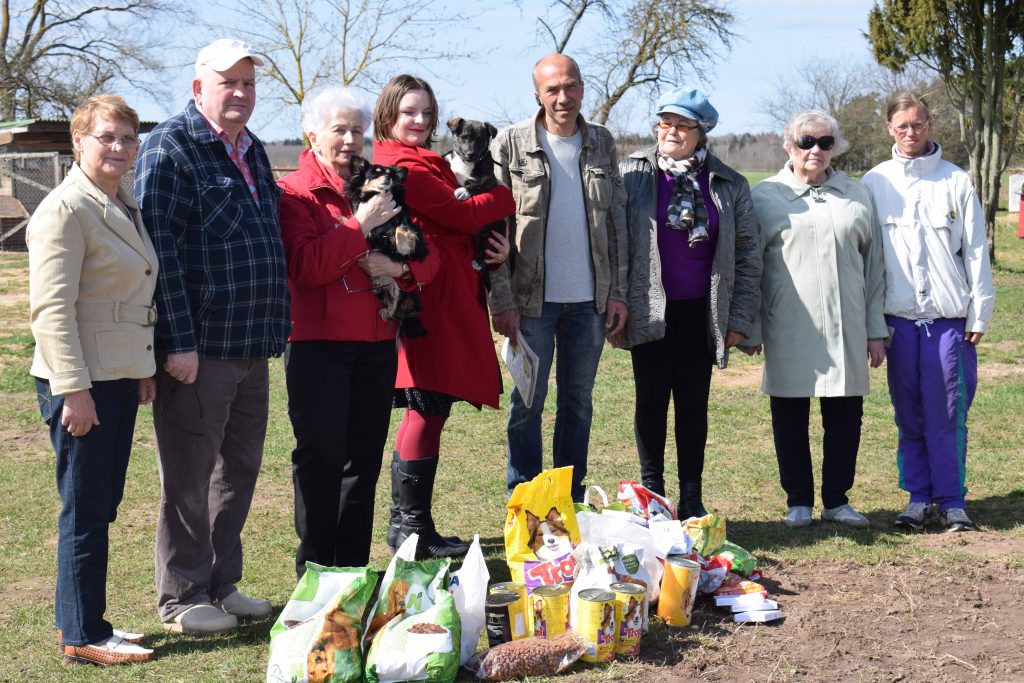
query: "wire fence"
25, 179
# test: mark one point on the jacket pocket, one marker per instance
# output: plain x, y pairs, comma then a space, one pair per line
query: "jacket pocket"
599, 186
528, 192
221, 213
115, 349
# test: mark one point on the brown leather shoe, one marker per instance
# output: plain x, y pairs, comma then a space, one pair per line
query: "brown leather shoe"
133, 638
113, 650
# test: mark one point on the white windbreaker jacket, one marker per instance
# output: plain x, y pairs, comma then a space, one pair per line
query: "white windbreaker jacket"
933, 231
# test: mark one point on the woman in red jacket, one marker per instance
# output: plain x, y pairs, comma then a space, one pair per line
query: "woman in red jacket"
340, 361
456, 360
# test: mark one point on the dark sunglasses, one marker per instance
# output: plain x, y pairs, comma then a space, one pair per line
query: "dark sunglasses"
806, 142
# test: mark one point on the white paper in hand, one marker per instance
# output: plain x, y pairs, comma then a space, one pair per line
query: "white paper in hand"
522, 364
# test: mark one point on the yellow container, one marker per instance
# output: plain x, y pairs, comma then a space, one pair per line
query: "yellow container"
550, 613
630, 608
595, 618
520, 612
678, 590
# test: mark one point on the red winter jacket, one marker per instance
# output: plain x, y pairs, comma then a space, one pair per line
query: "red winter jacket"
331, 295
457, 356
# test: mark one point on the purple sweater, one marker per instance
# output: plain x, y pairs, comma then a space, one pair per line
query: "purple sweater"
685, 272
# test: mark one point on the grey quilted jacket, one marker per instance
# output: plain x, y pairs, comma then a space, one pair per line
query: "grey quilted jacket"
735, 271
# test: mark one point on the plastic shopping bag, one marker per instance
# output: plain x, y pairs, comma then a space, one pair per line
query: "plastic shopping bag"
469, 588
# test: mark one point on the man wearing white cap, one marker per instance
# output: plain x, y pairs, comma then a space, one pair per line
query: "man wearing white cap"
209, 202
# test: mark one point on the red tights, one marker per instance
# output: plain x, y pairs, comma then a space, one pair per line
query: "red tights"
419, 435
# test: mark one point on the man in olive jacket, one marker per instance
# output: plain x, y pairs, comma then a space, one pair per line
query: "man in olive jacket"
569, 266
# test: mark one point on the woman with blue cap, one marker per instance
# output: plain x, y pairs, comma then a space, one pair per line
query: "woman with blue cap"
694, 284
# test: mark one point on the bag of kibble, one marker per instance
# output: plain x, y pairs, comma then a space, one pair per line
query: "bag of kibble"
528, 657
316, 638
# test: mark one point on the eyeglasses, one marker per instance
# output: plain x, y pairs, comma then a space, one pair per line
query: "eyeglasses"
807, 142
905, 128
680, 127
107, 140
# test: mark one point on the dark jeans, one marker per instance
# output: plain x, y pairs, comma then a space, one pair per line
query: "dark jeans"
677, 366
209, 439
841, 420
576, 330
90, 479
339, 402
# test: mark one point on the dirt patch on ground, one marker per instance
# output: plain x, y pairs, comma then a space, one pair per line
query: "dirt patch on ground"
849, 622
998, 371
740, 376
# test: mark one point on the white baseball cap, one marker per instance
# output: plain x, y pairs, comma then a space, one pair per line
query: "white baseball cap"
222, 54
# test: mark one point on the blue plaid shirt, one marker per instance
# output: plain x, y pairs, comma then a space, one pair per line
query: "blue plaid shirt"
223, 287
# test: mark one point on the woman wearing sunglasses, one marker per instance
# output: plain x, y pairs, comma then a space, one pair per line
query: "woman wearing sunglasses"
821, 317
694, 284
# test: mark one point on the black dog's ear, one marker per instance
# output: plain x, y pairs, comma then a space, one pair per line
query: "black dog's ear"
357, 165
455, 125
491, 130
401, 172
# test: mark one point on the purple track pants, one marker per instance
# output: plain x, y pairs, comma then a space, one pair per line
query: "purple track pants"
933, 374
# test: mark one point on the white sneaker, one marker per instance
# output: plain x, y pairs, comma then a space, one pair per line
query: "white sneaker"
844, 514
202, 618
798, 515
241, 605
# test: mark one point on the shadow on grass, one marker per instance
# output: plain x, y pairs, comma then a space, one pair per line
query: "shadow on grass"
994, 513
249, 632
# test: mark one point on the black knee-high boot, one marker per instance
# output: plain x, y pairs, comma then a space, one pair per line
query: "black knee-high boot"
396, 513
416, 491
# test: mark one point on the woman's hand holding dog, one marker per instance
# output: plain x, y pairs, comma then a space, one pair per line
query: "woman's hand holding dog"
377, 264
498, 253
379, 209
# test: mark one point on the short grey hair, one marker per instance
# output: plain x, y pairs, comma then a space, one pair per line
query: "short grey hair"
800, 122
319, 109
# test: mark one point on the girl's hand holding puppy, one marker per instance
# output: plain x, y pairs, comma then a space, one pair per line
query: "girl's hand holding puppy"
379, 209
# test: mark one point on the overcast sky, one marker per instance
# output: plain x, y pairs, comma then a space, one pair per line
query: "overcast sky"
775, 37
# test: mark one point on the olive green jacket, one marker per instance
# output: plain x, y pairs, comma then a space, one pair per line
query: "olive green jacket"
520, 163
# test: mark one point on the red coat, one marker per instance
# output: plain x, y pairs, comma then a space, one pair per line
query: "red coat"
331, 295
457, 355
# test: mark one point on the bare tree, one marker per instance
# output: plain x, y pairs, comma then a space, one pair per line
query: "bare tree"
55, 54
644, 44
307, 43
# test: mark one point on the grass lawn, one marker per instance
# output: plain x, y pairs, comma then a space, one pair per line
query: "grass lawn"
741, 482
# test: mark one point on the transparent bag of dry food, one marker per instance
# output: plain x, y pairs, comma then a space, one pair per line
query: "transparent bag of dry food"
528, 657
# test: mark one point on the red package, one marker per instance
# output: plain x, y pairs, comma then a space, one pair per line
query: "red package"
643, 502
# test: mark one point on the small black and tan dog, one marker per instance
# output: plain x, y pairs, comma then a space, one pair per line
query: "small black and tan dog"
473, 166
399, 238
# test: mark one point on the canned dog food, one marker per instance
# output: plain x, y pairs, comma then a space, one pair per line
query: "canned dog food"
678, 590
501, 610
595, 611
630, 607
550, 611
520, 623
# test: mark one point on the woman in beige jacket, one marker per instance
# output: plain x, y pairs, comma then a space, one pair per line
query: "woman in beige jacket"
92, 272
821, 318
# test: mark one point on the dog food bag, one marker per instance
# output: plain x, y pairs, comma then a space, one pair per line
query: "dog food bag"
743, 563
541, 530
645, 503
316, 637
707, 533
630, 548
528, 657
414, 630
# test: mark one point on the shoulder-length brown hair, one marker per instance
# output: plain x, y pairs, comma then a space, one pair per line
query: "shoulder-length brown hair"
385, 112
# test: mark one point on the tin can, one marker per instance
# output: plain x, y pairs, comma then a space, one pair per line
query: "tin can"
630, 608
595, 616
678, 590
499, 610
520, 623
550, 611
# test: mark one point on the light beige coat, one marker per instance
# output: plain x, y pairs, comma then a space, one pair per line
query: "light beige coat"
822, 287
92, 273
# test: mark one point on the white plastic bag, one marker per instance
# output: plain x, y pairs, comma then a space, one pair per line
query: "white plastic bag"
613, 530
469, 588
599, 566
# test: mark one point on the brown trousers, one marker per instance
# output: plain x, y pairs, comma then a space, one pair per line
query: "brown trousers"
209, 438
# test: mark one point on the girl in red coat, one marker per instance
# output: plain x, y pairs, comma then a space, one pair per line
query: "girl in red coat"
456, 360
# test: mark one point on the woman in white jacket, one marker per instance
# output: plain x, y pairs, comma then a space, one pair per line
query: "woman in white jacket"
938, 304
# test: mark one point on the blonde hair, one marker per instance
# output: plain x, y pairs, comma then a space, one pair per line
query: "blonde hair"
107, 106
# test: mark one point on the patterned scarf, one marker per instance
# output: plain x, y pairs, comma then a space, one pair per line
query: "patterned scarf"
686, 210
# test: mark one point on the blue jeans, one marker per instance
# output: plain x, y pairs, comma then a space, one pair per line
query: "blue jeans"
90, 479
578, 331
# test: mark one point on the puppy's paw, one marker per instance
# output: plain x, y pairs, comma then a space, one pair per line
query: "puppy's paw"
462, 194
